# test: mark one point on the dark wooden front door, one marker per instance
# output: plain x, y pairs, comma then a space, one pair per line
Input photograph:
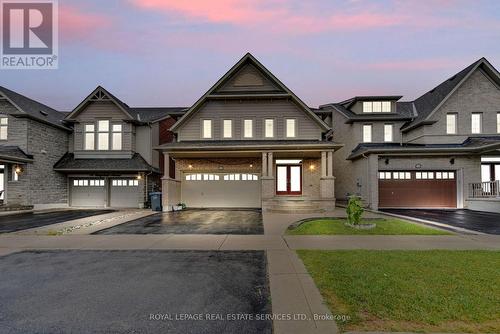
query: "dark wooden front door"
289, 180
410, 190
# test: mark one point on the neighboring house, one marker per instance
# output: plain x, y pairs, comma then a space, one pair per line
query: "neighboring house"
424, 153
110, 161
33, 138
249, 142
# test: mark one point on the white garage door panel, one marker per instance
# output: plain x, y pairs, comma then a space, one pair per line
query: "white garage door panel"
124, 193
87, 192
221, 193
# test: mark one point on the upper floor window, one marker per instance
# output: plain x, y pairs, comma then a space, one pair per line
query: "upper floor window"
89, 137
451, 124
367, 133
498, 122
476, 123
207, 128
117, 137
247, 128
269, 128
291, 124
377, 106
4, 122
388, 132
103, 135
227, 126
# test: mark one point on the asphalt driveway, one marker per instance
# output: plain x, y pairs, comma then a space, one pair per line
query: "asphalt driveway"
480, 221
23, 221
133, 292
194, 222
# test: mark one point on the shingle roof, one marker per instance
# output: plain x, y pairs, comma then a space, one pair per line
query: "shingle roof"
242, 144
403, 112
470, 145
151, 114
137, 163
14, 153
35, 109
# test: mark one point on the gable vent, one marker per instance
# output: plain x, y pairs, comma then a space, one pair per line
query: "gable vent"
44, 113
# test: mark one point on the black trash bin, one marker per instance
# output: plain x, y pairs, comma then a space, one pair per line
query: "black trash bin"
156, 201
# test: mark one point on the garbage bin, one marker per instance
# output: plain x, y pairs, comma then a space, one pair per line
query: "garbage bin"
156, 201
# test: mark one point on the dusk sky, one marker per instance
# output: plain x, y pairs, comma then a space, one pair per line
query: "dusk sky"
168, 53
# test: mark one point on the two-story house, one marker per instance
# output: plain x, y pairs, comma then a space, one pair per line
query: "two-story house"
110, 161
422, 153
33, 138
249, 141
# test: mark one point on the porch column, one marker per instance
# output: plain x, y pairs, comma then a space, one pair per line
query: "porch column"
323, 164
264, 164
270, 171
329, 172
171, 194
166, 165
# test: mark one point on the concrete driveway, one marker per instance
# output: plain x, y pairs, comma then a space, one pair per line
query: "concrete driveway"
485, 222
194, 222
23, 221
133, 292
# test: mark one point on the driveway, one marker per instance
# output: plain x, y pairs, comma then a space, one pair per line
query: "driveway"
194, 222
133, 292
23, 221
479, 221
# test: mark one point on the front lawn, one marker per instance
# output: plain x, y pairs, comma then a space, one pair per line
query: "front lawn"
415, 291
391, 226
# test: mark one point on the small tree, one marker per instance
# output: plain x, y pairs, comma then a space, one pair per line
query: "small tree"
354, 210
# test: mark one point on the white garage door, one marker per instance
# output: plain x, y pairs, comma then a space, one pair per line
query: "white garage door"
87, 192
124, 193
221, 190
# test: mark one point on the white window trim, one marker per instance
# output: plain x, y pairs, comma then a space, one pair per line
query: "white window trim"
98, 132
223, 129
85, 132
455, 129
243, 128
498, 122
202, 128
480, 123
363, 133
112, 139
264, 134
391, 125
4, 126
295, 125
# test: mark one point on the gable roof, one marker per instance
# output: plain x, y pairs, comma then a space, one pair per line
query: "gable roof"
100, 94
154, 114
30, 108
427, 104
249, 58
136, 163
404, 112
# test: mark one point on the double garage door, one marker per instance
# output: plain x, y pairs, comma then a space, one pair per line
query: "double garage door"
96, 192
422, 189
221, 190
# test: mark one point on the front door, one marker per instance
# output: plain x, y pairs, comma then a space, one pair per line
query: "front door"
289, 180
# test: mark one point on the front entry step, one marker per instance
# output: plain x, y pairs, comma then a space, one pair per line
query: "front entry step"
294, 206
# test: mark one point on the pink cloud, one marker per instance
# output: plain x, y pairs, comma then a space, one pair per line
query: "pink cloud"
76, 23
414, 65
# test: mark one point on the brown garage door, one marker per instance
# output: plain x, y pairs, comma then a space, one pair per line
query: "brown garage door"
422, 189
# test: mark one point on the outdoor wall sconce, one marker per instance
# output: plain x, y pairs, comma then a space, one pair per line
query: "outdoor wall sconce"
190, 166
251, 165
452, 161
139, 176
312, 167
18, 170
387, 161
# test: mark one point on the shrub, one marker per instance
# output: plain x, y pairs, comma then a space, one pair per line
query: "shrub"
354, 210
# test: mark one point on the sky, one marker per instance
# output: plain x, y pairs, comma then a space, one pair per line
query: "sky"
169, 53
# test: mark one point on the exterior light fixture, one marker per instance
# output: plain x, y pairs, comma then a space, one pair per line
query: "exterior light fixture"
190, 166
139, 177
312, 167
452, 161
387, 161
251, 165
18, 170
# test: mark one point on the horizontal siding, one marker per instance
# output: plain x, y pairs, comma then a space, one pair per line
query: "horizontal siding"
256, 110
251, 75
101, 109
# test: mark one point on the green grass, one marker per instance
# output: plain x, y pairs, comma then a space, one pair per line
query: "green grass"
389, 226
419, 291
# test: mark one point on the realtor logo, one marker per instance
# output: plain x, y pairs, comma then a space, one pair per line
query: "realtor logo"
29, 34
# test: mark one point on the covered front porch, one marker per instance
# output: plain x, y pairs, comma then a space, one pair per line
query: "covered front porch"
276, 178
14, 178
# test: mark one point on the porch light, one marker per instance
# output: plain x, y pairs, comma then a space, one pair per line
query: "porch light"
312, 167
139, 177
251, 165
18, 170
190, 166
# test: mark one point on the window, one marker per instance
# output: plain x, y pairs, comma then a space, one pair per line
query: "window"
451, 124
88, 183
385, 175
290, 127
476, 123
89, 137
103, 135
125, 183
248, 128
388, 132
401, 176
377, 106
207, 128
227, 126
117, 137
4, 122
269, 128
498, 122
367, 133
